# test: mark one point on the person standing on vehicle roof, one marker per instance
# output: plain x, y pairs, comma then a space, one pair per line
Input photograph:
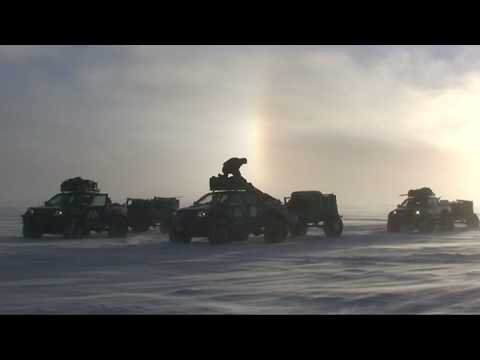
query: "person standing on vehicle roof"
232, 166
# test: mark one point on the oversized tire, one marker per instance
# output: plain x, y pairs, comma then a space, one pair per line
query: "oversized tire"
118, 227
446, 222
73, 229
393, 225
473, 222
30, 230
276, 229
140, 227
298, 229
333, 227
238, 233
427, 226
219, 233
179, 236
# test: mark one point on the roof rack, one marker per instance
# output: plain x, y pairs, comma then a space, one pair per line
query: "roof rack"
221, 182
423, 192
78, 184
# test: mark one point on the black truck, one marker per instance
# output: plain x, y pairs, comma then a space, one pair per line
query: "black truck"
79, 208
232, 211
314, 209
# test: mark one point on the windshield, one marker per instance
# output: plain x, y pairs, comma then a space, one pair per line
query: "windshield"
209, 198
412, 202
59, 200
99, 200
65, 199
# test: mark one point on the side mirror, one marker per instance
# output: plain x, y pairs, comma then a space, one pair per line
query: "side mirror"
45, 203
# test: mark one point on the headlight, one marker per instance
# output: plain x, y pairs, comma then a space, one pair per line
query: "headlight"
394, 212
58, 213
30, 212
417, 212
202, 213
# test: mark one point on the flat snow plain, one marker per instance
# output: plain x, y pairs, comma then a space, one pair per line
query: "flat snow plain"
365, 271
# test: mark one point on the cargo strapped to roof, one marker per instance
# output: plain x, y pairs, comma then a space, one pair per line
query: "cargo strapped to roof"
229, 183
420, 193
78, 184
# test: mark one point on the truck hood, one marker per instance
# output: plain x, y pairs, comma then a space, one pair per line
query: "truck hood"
404, 210
42, 210
194, 208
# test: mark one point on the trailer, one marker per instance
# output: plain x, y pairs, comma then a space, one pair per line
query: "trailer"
145, 213
462, 212
314, 209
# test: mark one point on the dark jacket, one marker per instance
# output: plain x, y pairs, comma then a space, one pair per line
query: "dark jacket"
233, 164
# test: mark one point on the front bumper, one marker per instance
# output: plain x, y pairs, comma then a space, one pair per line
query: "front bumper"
408, 219
46, 223
191, 223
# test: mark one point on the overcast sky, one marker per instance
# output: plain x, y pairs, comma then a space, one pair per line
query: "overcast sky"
364, 122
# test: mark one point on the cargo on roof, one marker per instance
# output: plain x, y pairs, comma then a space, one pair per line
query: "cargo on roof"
78, 184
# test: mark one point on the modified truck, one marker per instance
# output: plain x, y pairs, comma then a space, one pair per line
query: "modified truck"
425, 212
314, 209
232, 211
77, 210
145, 213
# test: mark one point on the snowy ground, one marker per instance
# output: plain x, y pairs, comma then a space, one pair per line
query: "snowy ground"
365, 271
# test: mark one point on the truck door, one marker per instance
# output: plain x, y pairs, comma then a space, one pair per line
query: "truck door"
96, 210
236, 208
252, 210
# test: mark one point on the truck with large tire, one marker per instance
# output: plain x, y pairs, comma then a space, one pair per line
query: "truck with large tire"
425, 212
314, 209
77, 210
232, 211
146, 213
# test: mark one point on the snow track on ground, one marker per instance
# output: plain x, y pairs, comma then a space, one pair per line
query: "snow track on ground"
365, 271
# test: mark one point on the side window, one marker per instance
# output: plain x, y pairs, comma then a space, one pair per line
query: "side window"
250, 199
60, 200
235, 200
99, 200
56, 200
251, 202
433, 202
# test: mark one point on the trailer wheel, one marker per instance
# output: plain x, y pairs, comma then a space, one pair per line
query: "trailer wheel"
333, 227
473, 222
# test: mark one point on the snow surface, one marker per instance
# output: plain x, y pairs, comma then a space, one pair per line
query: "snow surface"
365, 271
